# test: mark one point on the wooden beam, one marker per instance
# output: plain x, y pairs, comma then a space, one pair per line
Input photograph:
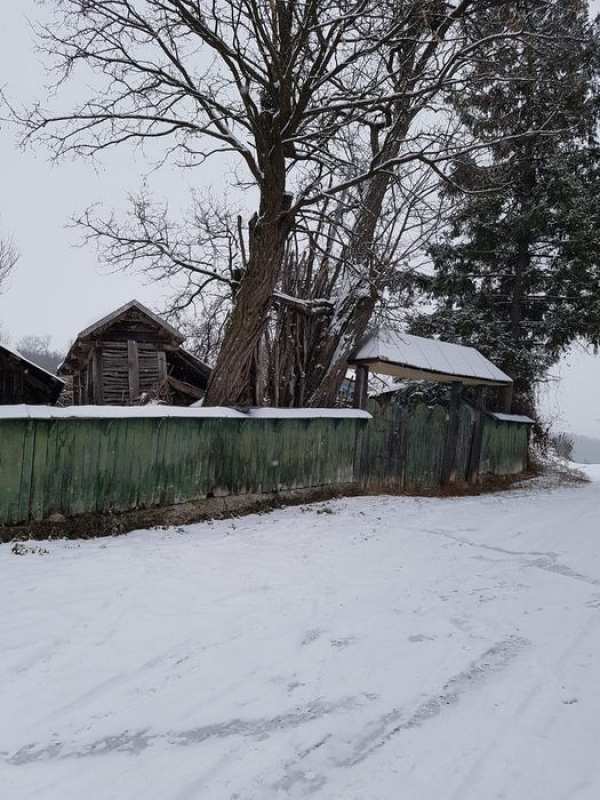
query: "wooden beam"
506, 398
98, 376
133, 368
449, 466
361, 386
163, 373
186, 388
477, 437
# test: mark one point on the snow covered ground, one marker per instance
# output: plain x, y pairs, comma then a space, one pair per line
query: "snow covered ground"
366, 649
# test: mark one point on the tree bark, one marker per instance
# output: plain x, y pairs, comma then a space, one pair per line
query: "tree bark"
234, 380
352, 317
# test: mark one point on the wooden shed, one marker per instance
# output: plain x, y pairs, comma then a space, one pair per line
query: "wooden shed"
22, 381
130, 356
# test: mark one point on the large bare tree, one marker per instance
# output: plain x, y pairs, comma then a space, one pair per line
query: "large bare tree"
292, 89
272, 82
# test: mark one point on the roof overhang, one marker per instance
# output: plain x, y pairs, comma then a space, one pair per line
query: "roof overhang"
411, 373
409, 357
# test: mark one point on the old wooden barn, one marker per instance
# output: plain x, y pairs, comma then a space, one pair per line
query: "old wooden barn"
132, 356
22, 381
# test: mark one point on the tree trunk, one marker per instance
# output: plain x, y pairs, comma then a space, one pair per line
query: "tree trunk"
234, 380
351, 319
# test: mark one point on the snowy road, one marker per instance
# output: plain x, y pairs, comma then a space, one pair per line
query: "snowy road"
367, 649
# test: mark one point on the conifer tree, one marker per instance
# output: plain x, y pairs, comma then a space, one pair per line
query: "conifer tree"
517, 271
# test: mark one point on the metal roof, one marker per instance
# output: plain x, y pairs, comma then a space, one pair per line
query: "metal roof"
414, 357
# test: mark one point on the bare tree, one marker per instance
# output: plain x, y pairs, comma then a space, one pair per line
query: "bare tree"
284, 86
8, 258
318, 279
39, 350
271, 82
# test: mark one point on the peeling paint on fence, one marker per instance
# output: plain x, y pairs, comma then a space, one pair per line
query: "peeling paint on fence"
72, 466
75, 466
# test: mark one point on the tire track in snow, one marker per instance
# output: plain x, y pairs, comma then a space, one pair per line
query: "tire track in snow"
493, 660
546, 561
135, 742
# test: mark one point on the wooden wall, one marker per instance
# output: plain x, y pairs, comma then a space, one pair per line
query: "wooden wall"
117, 372
73, 466
12, 389
20, 383
413, 447
77, 465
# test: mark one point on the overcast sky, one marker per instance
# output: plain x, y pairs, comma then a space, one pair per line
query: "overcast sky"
59, 288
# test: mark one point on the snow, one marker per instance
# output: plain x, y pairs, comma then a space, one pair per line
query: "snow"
308, 413
113, 412
16, 353
512, 418
364, 649
430, 356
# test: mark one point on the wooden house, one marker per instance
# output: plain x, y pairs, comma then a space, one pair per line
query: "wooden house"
22, 381
132, 356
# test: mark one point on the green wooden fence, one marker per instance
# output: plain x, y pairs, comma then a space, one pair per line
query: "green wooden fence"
56, 463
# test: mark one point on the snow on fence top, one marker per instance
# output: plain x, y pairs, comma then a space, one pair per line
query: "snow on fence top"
192, 412
520, 418
307, 413
417, 358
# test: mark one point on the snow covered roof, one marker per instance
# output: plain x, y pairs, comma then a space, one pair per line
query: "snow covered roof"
193, 412
414, 357
30, 363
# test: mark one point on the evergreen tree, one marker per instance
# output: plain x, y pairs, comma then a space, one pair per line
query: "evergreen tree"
517, 272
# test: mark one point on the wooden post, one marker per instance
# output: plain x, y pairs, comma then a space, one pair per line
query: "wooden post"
98, 377
506, 398
361, 387
475, 452
163, 373
452, 438
76, 388
134, 371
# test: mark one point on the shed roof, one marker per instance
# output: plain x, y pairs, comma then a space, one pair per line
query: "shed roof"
414, 357
108, 320
54, 384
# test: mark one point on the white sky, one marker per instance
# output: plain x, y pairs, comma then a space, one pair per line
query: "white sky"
60, 288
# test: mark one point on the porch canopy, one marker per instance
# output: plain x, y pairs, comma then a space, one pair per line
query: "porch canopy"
402, 355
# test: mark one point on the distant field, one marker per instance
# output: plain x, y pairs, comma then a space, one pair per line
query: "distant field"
586, 450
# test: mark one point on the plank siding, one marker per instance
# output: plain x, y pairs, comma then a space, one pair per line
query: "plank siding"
131, 354
75, 466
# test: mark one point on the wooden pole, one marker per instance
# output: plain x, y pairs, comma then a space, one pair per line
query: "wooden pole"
475, 453
361, 386
507, 398
98, 377
449, 465
134, 370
